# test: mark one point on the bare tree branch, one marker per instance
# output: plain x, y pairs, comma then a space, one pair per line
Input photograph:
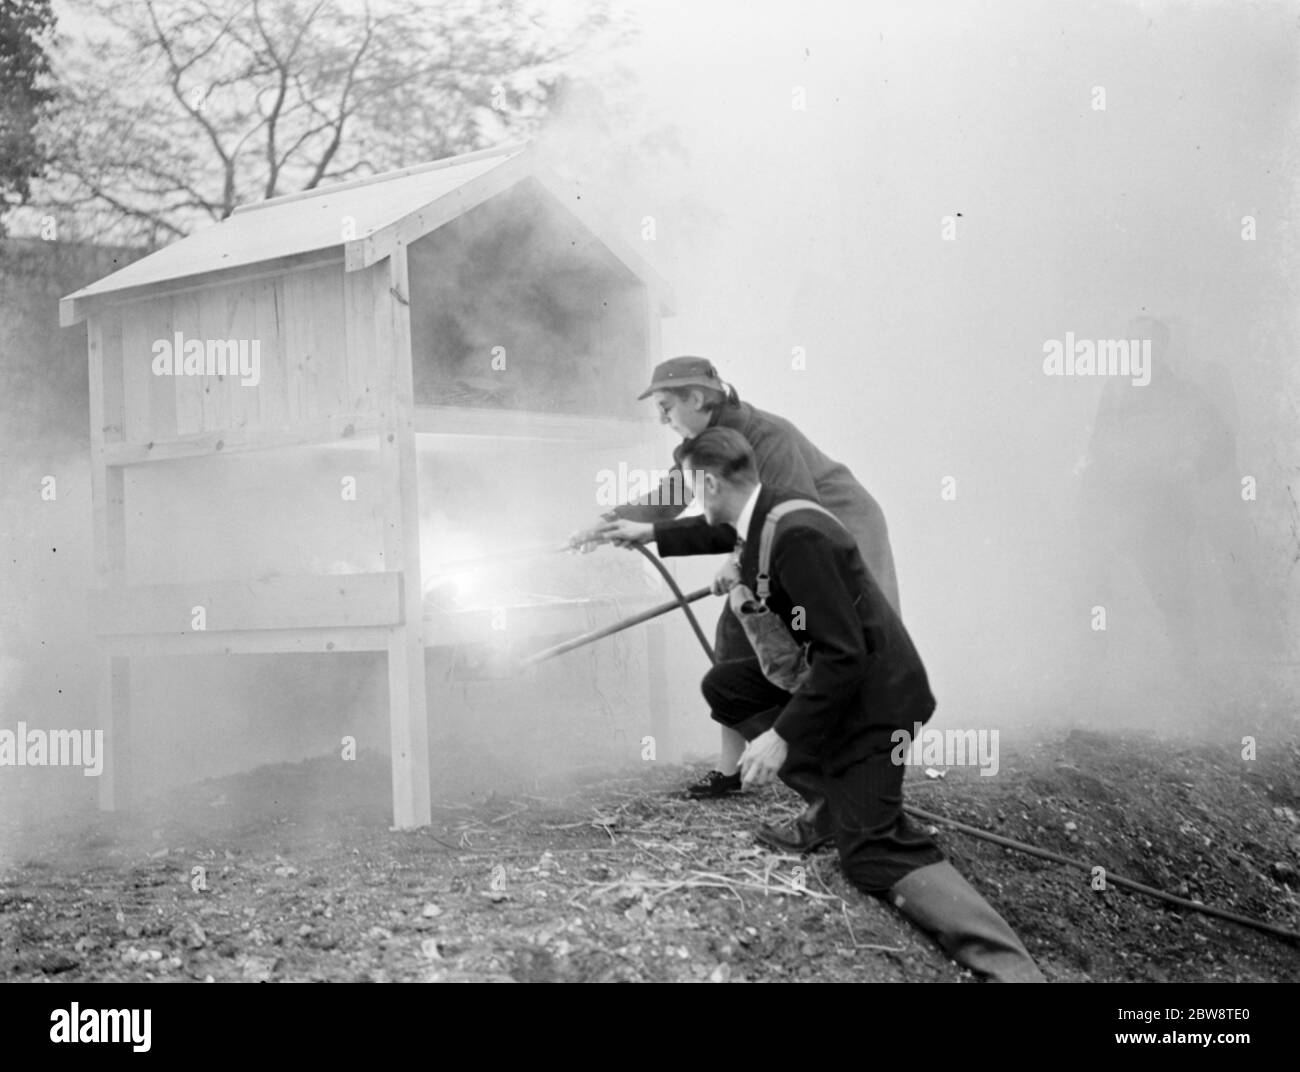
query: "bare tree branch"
175, 111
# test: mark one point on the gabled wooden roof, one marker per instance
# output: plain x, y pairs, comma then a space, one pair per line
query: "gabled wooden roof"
368, 218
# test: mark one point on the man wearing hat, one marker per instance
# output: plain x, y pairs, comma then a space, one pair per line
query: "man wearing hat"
691, 397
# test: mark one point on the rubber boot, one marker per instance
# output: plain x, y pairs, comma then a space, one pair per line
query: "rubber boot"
812, 829
941, 902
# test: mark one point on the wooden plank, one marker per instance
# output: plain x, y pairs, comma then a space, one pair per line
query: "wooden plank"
304, 319
107, 403
210, 324
149, 400
242, 315
316, 339
330, 431
108, 509
235, 308
292, 602
73, 310
544, 622
408, 730
524, 425
254, 642
273, 392
188, 390
325, 299
407, 699
161, 420
295, 336
113, 369
139, 330
299, 360
361, 342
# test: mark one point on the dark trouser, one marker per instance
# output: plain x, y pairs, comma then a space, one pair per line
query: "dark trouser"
738, 694
877, 843
881, 851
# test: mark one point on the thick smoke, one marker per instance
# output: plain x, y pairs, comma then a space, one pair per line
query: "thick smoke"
878, 226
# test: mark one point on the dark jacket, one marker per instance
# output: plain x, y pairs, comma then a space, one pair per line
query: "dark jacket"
786, 459
866, 673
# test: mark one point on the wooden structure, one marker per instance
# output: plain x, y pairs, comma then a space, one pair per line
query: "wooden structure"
379, 308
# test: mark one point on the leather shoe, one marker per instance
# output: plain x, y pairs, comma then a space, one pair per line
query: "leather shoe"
714, 784
807, 833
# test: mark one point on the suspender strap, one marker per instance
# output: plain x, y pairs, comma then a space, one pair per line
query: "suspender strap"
768, 537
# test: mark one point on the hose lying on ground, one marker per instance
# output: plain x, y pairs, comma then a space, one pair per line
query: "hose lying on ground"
1011, 843
1118, 880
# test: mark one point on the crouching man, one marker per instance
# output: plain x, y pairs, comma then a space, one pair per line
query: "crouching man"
831, 738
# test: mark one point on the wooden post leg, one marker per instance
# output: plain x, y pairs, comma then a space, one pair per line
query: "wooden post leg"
108, 514
408, 727
115, 720
408, 713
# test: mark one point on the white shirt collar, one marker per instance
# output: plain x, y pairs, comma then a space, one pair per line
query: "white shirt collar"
747, 514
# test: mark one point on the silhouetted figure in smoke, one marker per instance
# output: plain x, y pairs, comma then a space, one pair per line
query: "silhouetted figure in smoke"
1160, 497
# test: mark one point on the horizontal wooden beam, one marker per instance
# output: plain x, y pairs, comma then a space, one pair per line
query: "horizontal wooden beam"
329, 431
293, 602
529, 623
523, 424
430, 421
253, 642
75, 308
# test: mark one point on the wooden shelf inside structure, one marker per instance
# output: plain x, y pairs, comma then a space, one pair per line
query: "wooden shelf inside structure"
434, 426
332, 613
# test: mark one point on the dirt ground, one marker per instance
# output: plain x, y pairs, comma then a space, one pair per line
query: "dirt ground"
292, 873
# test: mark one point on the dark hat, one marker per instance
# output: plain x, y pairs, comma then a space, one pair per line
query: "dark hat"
683, 372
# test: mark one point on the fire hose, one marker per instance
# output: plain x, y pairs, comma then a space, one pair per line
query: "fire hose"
684, 602
681, 599
1118, 880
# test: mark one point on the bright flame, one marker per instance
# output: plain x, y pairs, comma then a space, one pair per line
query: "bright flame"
444, 547
464, 583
